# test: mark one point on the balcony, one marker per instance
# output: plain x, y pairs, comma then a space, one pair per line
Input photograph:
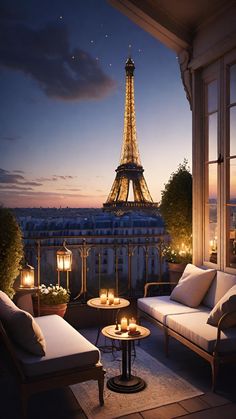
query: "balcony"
121, 255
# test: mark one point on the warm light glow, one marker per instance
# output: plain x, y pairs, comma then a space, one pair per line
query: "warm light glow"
27, 277
64, 259
116, 301
123, 324
111, 297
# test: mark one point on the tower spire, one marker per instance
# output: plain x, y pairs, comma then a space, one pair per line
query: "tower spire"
130, 170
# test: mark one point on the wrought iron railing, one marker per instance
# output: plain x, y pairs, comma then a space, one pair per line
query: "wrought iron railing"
123, 262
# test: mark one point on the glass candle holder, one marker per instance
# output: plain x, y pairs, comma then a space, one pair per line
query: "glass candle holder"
111, 296
103, 296
124, 324
116, 301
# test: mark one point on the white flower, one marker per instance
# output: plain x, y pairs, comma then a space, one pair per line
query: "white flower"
64, 292
54, 293
46, 291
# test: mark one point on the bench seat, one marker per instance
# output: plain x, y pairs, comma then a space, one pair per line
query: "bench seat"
65, 349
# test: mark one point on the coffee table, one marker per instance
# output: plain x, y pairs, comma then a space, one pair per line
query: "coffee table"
95, 303
126, 382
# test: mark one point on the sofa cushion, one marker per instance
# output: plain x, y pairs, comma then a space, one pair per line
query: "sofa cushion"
21, 326
161, 307
66, 349
226, 304
194, 327
192, 285
219, 286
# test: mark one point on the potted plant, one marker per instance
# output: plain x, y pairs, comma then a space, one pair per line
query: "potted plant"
176, 210
11, 251
51, 299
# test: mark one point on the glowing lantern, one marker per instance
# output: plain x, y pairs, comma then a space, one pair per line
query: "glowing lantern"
64, 259
27, 277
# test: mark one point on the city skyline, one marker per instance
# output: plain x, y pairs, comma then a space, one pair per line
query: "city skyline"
63, 95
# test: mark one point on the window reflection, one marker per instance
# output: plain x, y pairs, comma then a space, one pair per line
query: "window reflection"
233, 131
212, 183
212, 96
233, 84
212, 137
232, 183
211, 215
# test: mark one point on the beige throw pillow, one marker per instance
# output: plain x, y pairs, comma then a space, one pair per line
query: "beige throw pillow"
21, 327
192, 285
226, 304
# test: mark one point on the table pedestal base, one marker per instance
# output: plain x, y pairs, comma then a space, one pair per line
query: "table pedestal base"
131, 385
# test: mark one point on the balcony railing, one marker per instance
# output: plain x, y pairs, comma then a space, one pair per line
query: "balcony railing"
123, 262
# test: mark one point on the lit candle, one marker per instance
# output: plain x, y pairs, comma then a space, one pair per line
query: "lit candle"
132, 328
123, 324
103, 298
116, 301
111, 298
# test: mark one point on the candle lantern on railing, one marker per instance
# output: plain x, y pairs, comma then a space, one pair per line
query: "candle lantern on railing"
64, 263
27, 277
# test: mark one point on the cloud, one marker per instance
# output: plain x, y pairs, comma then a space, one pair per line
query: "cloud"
7, 177
55, 178
10, 139
69, 189
44, 54
14, 187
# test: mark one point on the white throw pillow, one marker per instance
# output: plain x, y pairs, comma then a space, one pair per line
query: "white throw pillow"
21, 327
226, 304
193, 285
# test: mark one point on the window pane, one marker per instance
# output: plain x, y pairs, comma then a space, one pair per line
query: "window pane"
211, 233
232, 237
211, 215
212, 96
232, 182
233, 131
233, 84
212, 137
212, 183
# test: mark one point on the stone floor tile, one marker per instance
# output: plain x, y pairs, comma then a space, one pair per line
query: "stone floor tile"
194, 404
169, 411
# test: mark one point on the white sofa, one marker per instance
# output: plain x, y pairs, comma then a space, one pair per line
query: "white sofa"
189, 324
47, 352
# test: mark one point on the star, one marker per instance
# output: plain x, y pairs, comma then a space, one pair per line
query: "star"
106, 36
139, 50
60, 17
110, 64
91, 41
97, 58
73, 57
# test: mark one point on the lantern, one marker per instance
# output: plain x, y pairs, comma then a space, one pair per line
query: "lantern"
64, 259
64, 263
27, 277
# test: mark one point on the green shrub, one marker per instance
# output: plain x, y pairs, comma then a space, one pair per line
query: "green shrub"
11, 250
176, 210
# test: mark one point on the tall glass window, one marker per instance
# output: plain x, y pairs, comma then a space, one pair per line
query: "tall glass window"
211, 171
231, 170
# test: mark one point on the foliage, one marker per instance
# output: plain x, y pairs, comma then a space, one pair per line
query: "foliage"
176, 255
11, 250
176, 209
53, 294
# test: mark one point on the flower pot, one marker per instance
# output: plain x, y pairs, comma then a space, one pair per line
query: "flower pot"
175, 271
45, 310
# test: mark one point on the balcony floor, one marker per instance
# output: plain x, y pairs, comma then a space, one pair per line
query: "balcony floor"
62, 404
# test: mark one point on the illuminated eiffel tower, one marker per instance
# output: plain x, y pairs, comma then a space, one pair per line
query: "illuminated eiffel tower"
130, 170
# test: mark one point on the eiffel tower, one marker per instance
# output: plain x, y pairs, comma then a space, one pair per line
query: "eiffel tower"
130, 170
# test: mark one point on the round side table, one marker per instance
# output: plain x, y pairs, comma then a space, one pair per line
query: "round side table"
95, 303
126, 382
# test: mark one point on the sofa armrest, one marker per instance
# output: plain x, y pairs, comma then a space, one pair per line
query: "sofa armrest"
149, 284
221, 327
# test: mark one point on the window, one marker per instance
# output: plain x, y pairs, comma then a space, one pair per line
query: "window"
231, 166
217, 150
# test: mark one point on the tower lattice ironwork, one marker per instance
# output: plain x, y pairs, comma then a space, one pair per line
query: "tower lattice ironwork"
130, 170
